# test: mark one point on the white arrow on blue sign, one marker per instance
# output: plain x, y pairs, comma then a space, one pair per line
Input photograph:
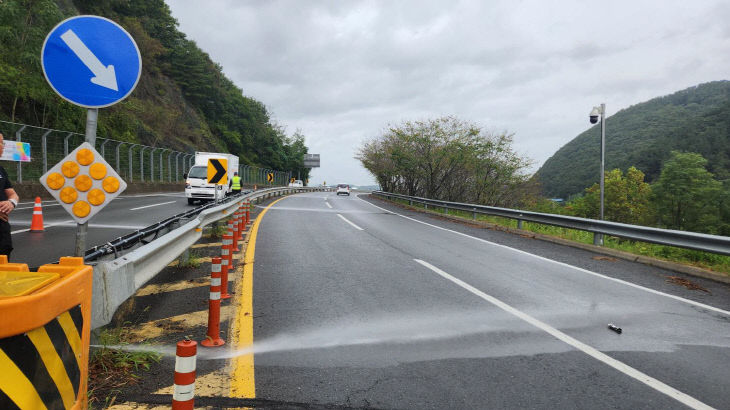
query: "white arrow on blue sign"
91, 61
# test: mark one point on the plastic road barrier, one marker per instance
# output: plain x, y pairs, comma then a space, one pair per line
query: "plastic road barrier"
45, 322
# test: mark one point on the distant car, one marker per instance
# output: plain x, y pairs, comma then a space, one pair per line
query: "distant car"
297, 183
343, 189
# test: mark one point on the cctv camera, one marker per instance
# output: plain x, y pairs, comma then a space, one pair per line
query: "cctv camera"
595, 112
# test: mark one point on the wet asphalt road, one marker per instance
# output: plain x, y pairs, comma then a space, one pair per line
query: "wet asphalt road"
122, 216
356, 306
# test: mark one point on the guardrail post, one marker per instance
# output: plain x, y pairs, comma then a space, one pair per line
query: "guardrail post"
598, 239
446, 210
213, 337
473, 214
519, 224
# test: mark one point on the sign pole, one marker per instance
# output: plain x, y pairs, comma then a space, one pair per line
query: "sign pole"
92, 116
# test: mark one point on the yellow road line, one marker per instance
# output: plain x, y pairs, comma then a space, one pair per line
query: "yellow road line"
242, 373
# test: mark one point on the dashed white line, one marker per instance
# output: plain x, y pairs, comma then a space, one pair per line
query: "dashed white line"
623, 282
328, 205
150, 206
345, 219
591, 351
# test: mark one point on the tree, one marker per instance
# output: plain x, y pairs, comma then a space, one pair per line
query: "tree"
447, 158
686, 196
626, 198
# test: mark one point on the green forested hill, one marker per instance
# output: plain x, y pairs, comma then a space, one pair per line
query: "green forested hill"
183, 99
694, 120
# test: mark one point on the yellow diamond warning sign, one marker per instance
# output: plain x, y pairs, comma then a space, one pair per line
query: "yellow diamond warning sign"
83, 183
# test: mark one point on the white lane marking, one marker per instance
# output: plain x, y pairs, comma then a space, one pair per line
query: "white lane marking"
633, 285
150, 206
33, 203
328, 205
177, 195
589, 350
73, 223
45, 226
345, 219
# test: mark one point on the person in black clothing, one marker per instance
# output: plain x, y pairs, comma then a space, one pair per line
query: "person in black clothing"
8, 202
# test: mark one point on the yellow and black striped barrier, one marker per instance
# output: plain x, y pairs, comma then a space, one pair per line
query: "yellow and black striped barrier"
45, 320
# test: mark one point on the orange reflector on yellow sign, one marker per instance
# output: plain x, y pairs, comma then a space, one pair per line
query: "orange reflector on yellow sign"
81, 209
55, 180
70, 169
97, 171
111, 184
69, 195
83, 182
96, 197
84, 156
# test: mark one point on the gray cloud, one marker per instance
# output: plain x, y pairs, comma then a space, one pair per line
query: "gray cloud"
342, 71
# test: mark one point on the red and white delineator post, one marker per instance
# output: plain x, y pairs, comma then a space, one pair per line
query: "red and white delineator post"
227, 261
183, 394
239, 226
213, 337
232, 224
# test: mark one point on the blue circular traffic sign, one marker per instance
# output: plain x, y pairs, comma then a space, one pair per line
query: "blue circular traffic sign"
91, 61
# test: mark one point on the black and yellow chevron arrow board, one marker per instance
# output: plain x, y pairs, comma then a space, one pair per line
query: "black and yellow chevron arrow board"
41, 368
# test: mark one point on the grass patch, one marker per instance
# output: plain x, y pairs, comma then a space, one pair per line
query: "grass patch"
218, 229
706, 260
191, 259
111, 369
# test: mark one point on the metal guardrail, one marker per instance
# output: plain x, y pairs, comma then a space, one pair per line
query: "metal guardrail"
118, 279
682, 239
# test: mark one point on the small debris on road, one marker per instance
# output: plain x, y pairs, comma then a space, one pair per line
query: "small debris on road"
615, 328
604, 258
686, 283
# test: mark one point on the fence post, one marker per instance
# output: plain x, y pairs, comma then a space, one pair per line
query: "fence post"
152, 164
44, 147
103, 150
162, 167
177, 166
65, 144
116, 152
131, 161
169, 167
18, 137
141, 163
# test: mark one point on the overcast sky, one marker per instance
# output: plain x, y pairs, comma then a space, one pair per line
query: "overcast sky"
341, 71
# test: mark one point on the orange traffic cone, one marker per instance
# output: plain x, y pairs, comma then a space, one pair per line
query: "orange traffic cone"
36, 224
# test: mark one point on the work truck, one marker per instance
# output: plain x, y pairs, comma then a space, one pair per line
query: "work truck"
197, 187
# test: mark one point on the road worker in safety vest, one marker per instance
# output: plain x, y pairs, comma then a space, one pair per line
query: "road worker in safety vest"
236, 184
